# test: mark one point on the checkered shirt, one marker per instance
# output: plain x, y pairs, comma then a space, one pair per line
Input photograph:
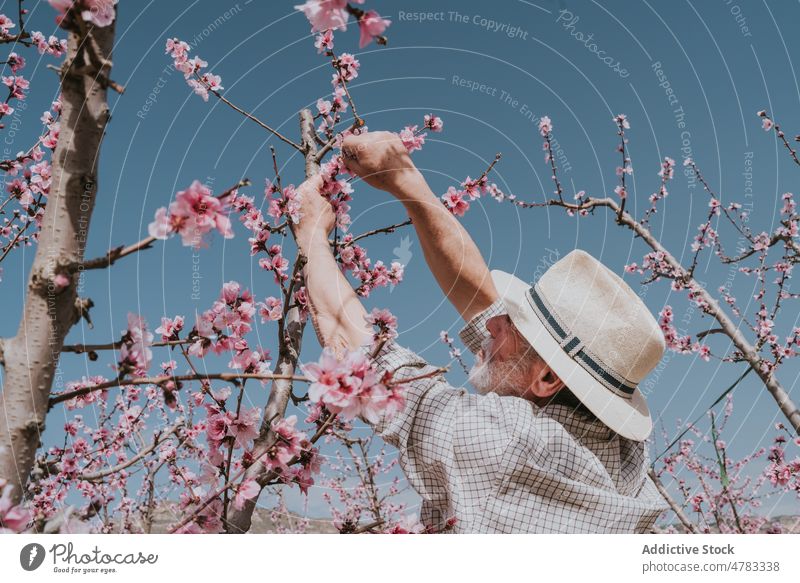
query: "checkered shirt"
505, 465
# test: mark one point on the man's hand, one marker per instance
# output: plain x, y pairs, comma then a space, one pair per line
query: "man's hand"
316, 214
380, 159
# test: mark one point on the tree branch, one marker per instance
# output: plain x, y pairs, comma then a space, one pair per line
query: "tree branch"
159, 438
118, 253
250, 116
676, 508
120, 381
289, 345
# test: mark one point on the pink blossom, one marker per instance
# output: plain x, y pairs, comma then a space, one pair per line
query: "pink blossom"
412, 140
703, 351
454, 201
100, 12
13, 517
287, 444
762, 241
87, 398
270, 309
545, 126
351, 387
193, 214
6, 24
244, 428
681, 344
213, 82
60, 282
371, 25
134, 352
386, 323
170, 328
325, 14
275, 262
51, 45
324, 41
217, 426
323, 107
15, 61
433, 122
230, 292
383, 319
287, 205
16, 85
310, 464
50, 140
200, 83
474, 188
347, 68
667, 168
622, 121
246, 491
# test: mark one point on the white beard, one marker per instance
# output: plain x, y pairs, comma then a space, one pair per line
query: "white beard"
503, 378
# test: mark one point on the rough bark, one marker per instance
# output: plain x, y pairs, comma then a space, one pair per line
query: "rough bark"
31, 357
289, 345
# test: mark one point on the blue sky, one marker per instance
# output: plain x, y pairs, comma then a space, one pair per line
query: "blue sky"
490, 82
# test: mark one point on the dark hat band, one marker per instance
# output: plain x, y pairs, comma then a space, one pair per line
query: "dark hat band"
575, 348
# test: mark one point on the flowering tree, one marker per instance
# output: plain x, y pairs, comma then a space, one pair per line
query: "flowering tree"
217, 453
722, 483
175, 432
718, 491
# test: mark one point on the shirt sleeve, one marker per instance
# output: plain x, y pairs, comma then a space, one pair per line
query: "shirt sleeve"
474, 332
404, 364
439, 425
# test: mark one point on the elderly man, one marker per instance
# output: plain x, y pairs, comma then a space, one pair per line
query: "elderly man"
554, 441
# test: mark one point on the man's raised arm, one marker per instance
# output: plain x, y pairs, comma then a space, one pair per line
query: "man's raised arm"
336, 311
381, 160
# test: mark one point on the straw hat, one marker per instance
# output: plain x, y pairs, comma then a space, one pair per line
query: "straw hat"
594, 332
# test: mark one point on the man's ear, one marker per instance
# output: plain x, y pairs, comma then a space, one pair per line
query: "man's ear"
546, 383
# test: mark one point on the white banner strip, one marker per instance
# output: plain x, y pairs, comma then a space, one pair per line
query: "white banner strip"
400, 558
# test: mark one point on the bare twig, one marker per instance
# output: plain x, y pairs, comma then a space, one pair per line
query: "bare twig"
159, 438
385, 230
250, 116
676, 508
229, 377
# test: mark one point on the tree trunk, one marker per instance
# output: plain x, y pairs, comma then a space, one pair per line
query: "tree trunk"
31, 357
288, 354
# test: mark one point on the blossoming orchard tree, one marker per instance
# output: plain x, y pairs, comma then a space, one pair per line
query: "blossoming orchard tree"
175, 433
218, 454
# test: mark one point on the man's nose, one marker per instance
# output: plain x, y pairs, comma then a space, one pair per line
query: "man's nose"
493, 326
